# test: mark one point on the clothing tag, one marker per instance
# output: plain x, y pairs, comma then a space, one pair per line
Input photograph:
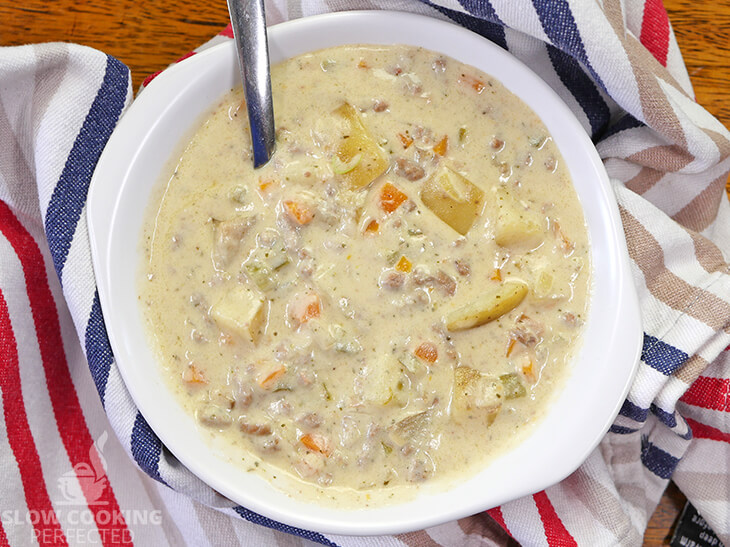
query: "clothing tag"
692, 530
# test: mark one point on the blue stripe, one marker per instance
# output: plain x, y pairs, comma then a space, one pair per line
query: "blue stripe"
263, 521
665, 417
559, 25
491, 27
636, 413
661, 356
98, 351
582, 88
627, 121
656, 460
146, 448
621, 430
69, 195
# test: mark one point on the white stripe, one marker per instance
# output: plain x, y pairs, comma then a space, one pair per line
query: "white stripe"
78, 276
13, 507
524, 523
713, 418
120, 408
65, 116
634, 15
620, 171
607, 55
448, 533
52, 454
676, 66
521, 18
181, 510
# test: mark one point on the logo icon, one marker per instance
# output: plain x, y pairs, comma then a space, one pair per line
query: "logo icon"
86, 482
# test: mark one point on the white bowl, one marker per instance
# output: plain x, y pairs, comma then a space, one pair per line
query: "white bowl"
171, 106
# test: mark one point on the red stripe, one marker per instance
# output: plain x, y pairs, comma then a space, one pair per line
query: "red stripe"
66, 408
227, 32
555, 531
704, 431
19, 436
710, 393
496, 514
3, 538
655, 30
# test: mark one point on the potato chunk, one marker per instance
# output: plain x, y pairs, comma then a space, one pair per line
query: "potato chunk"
516, 226
241, 312
488, 307
381, 380
453, 199
477, 394
359, 158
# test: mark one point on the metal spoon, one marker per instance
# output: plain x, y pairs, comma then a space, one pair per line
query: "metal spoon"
249, 32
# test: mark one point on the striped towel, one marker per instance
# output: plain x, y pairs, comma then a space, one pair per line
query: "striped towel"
79, 464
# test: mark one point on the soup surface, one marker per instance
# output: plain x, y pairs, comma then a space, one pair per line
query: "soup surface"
393, 299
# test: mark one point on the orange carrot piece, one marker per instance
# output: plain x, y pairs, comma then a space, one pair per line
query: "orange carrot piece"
528, 371
442, 146
496, 274
266, 184
305, 308
427, 351
405, 139
475, 83
373, 227
270, 376
300, 213
404, 265
510, 346
391, 198
363, 64
316, 443
193, 375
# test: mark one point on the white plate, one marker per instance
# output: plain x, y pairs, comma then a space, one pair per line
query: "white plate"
150, 132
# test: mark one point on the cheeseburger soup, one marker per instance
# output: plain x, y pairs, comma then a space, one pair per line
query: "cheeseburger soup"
393, 299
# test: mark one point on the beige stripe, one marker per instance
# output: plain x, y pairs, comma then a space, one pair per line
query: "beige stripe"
658, 112
665, 285
417, 539
721, 141
662, 158
708, 254
615, 15
52, 64
699, 213
172, 534
706, 486
604, 506
483, 527
691, 369
644, 180
216, 526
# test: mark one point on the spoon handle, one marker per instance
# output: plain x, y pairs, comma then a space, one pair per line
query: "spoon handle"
249, 31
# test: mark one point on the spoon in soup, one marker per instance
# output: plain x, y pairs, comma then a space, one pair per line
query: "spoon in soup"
248, 20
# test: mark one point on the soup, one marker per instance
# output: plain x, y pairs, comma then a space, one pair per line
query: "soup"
392, 300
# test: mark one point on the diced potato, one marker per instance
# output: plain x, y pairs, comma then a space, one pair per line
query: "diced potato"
516, 226
488, 307
513, 387
453, 199
241, 312
477, 394
372, 161
381, 380
414, 428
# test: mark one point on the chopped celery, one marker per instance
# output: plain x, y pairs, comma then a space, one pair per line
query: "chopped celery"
513, 387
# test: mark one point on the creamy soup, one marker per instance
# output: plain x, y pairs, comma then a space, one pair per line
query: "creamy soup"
393, 299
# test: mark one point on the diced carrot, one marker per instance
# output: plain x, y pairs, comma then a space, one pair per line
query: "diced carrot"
475, 83
300, 213
510, 346
442, 146
427, 351
316, 443
269, 377
404, 265
363, 64
496, 274
373, 227
266, 184
406, 139
305, 308
565, 244
193, 375
391, 198
528, 371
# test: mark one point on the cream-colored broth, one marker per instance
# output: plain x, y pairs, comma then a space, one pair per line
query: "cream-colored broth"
306, 323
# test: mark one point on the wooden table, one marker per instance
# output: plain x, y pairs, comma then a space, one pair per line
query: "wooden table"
148, 34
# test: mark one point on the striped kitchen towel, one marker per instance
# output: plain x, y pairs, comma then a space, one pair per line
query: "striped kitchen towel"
67, 479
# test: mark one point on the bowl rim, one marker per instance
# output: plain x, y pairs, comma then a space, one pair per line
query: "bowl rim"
116, 163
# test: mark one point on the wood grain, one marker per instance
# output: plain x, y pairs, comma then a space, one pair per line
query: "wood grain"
147, 35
